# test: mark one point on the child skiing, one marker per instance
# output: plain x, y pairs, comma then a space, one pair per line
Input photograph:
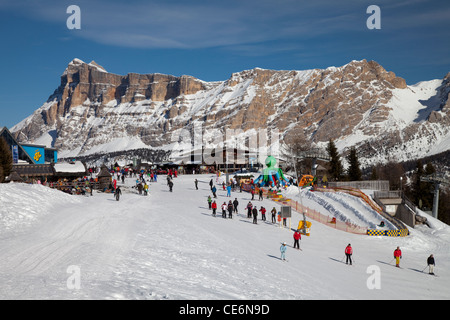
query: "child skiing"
283, 251
117, 193
209, 202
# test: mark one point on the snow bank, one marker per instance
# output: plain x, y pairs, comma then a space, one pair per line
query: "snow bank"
21, 204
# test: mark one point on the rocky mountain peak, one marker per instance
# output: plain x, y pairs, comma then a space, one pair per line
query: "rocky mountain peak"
357, 103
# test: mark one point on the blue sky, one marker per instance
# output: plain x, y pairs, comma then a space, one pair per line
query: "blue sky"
212, 39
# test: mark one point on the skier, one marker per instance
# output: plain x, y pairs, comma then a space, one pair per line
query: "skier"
261, 194
283, 251
214, 208
235, 204
430, 262
230, 209
196, 184
297, 237
348, 253
145, 189
224, 210
214, 190
117, 193
211, 183
397, 256
170, 185
263, 213
249, 209
274, 212
209, 202
255, 215
229, 191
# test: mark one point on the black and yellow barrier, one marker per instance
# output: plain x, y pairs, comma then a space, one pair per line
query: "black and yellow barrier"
388, 233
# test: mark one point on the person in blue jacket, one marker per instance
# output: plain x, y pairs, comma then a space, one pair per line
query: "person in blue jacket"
229, 191
283, 251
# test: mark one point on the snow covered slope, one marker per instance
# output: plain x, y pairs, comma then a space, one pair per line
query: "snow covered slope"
168, 246
342, 206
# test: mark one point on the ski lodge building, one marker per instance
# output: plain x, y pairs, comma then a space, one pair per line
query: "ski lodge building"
32, 161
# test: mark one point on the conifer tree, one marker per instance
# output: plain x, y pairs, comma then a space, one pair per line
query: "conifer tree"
354, 170
5, 159
429, 169
336, 169
374, 174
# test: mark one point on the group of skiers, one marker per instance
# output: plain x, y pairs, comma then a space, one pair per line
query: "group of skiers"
397, 256
253, 211
349, 252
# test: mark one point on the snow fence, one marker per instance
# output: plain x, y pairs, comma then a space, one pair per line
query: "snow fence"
317, 216
341, 225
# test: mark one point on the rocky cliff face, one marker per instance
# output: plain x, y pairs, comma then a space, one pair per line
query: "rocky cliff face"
359, 103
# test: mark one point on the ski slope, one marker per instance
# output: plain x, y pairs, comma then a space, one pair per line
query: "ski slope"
342, 206
168, 246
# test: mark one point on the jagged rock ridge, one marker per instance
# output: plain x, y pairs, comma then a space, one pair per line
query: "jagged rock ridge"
359, 104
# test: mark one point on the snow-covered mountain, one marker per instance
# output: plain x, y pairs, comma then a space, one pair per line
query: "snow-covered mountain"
358, 104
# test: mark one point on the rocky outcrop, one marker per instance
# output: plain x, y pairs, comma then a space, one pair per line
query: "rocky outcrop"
92, 107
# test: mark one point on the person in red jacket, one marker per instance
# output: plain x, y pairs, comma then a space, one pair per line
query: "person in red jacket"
297, 237
397, 256
348, 253
214, 208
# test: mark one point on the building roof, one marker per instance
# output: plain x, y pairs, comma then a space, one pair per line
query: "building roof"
14, 176
76, 167
104, 172
34, 170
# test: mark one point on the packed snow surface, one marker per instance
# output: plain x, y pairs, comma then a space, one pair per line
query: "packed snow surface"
167, 245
